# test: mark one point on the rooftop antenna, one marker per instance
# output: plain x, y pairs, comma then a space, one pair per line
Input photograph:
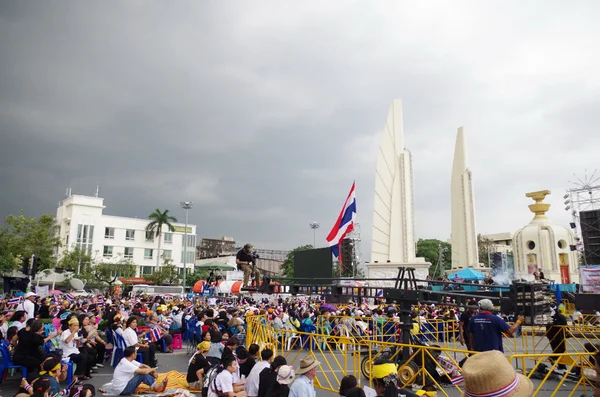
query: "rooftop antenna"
97, 190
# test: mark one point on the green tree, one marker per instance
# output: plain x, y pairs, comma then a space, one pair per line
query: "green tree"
430, 249
108, 272
159, 219
71, 260
167, 274
23, 237
287, 267
199, 274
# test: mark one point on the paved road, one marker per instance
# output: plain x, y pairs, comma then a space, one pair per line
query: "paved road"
339, 365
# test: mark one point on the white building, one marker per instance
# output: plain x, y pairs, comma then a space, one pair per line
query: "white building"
542, 245
81, 223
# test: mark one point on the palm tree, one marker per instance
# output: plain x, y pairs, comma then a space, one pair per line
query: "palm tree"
159, 219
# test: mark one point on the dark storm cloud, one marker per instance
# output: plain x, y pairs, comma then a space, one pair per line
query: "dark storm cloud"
264, 114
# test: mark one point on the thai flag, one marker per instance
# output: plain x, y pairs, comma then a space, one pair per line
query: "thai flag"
14, 301
155, 334
100, 299
344, 223
69, 297
457, 380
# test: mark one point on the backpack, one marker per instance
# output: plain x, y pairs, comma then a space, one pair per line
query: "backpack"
212, 381
209, 377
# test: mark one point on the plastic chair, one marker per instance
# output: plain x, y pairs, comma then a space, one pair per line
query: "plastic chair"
177, 342
119, 349
7, 363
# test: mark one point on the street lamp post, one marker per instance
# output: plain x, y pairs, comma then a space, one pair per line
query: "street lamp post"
314, 226
186, 205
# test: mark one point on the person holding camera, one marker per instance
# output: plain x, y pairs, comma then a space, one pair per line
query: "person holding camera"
245, 262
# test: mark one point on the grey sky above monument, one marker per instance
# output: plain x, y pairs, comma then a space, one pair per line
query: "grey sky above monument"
263, 115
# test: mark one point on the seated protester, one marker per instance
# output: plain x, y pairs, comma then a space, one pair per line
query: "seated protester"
18, 319
129, 374
147, 350
230, 346
86, 390
242, 356
198, 367
285, 376
91, 341
30, 351
385, 380
252, 383
177, 324
68, 344
39, 388
216, 347
222, 383
154, 324
268, 377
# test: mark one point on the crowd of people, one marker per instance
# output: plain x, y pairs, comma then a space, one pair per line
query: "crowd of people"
45, 334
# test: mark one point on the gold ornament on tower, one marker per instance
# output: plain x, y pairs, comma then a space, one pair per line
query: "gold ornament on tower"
539, 208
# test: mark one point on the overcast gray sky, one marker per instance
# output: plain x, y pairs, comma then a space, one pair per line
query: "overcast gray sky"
264, 112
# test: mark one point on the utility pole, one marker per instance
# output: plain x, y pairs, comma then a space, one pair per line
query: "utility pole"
314, 226
186, 205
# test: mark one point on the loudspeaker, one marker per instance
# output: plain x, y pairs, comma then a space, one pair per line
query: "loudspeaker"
590, 231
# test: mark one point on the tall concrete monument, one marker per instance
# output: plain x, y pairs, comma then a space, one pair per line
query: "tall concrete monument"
463, 238
393, 242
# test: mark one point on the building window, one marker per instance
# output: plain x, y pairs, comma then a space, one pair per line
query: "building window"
108, 251
109, 232
191, 240
167, 254
191, 254
168, 238
148, 253
128, 253
149, 236
146, 270
85, 237
130, 235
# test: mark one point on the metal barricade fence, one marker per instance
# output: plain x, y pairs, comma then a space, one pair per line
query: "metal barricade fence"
353, 353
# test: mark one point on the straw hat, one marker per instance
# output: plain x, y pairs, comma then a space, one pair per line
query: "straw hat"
285, 375
490, 372
306, 364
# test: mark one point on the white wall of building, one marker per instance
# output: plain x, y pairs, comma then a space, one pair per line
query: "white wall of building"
115, 238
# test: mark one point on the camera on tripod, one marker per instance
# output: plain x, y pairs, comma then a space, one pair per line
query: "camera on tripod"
254, 255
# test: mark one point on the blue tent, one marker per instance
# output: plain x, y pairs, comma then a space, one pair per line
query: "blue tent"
467, 275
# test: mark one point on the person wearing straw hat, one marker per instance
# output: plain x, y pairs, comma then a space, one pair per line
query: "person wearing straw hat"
303, 386
489, 373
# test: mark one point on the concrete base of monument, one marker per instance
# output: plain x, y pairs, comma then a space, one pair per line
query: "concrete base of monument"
388, 272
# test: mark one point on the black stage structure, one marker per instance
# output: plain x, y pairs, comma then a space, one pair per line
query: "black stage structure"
533, 300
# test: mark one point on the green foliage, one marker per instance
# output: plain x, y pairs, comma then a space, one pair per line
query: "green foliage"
287, 267
70, 260
160, 219
23, 237
199, 274
430, 250
107, 273
165, 275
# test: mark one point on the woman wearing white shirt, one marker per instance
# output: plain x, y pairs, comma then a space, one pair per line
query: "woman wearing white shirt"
68, 344
18, 319
130, 336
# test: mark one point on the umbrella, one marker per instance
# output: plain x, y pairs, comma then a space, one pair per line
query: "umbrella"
329, 307
215, 266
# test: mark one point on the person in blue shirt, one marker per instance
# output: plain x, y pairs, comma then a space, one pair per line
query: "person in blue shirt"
486, 328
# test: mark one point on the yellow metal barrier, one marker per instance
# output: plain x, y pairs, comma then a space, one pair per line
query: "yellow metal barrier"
578, 378
354, 352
